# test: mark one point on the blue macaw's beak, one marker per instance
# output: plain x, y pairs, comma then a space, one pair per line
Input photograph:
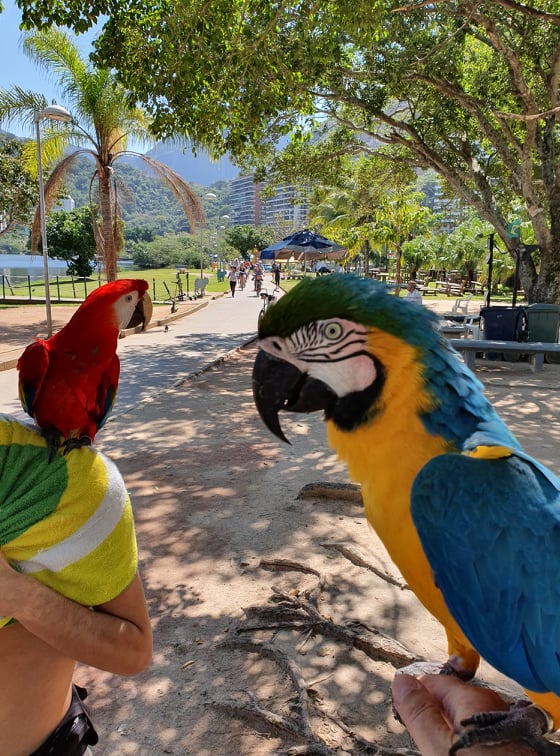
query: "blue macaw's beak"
278, 385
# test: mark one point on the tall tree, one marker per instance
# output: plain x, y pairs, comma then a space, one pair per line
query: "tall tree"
71, 238
468, 88
105, 121
18, 188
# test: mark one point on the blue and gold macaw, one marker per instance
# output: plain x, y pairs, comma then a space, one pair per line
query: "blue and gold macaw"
470, 520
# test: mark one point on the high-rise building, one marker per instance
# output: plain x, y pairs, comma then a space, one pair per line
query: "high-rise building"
286, 208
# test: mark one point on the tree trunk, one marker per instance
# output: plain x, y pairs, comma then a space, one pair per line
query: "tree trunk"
544, 286
108, 251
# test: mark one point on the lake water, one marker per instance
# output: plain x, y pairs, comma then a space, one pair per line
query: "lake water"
16, 266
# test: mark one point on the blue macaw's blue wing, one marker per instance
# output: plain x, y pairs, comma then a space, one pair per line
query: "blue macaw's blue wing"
462, 413
490, 530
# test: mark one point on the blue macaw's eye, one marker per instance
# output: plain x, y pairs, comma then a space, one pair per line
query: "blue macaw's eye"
333, 331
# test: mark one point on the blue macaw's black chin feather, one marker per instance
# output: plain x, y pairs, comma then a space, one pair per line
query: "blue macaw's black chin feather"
277, 385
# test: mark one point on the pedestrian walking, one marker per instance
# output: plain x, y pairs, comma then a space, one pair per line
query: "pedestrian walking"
232, 276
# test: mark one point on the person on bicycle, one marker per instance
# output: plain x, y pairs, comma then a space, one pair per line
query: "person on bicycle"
258, 275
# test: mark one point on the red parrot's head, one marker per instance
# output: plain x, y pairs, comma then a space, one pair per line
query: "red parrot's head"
114, 303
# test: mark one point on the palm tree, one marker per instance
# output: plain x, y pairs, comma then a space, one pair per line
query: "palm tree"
105, 121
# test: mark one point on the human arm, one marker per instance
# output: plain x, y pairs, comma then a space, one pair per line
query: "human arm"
115, 636
433, 707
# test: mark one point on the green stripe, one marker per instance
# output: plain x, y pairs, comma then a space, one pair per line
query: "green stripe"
30, 489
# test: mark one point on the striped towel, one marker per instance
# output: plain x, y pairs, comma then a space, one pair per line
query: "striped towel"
68, 523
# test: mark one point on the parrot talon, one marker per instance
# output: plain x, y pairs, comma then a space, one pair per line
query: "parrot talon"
52, 437
461, 673
522, 723
76, 443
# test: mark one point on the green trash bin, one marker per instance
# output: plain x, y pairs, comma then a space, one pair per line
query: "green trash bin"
543, 324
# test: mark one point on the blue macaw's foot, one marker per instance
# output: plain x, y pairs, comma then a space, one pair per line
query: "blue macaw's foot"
523, 722
451, 668
76, 443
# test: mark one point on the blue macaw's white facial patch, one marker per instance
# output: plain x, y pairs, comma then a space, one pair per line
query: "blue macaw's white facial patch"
333, 351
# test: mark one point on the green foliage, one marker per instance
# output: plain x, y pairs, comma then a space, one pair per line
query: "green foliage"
70, 237
18, 188
245, 239
166, 252
462, 87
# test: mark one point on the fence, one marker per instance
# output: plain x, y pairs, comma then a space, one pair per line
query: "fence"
64, 289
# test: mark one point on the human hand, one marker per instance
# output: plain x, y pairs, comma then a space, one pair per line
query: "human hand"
432, 709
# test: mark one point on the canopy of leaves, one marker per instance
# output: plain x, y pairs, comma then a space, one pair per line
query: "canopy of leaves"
245, 239
71, 238
465, 87
18, 188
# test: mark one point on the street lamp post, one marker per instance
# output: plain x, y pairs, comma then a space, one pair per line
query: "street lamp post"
226, 219
208, 196
51, 113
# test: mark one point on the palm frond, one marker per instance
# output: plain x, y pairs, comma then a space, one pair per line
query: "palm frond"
19, 105
51, 189
58, 55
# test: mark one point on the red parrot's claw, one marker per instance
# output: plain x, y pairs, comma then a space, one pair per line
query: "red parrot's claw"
76, 443
522, 723
52, 437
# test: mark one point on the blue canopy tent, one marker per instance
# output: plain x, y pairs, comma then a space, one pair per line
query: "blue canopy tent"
304, 244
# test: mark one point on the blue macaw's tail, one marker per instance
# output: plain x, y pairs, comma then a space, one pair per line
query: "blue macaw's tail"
490, 529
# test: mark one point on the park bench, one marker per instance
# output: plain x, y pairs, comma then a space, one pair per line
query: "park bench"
535, 351
451, 289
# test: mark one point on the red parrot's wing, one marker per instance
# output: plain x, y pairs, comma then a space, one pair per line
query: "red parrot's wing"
32, 367
106, 392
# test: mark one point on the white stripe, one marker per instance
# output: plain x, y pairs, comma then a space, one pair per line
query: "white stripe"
90, 535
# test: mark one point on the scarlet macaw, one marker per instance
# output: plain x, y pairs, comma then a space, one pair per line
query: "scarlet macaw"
470, 520
68, 382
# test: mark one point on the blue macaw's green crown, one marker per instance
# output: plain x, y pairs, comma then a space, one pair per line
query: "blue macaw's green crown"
360, 300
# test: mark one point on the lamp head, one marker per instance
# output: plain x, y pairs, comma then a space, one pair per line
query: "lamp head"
54, 113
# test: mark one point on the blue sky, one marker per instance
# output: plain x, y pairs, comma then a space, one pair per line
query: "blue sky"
17, 69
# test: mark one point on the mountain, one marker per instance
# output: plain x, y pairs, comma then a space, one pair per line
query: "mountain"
196, 169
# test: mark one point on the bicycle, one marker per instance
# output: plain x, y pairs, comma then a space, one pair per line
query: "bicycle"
267, 300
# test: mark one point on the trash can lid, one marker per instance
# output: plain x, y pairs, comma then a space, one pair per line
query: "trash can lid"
542, 307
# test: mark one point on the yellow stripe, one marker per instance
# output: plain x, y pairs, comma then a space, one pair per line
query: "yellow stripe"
14, 432
489, 452
103, 573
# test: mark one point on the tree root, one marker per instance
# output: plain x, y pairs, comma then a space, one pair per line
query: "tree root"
299, 726
325, 490
301, 614
354, 556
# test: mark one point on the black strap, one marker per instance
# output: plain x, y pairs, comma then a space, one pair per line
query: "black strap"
74, 733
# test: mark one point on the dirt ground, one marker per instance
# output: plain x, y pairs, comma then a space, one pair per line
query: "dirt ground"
278, 619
